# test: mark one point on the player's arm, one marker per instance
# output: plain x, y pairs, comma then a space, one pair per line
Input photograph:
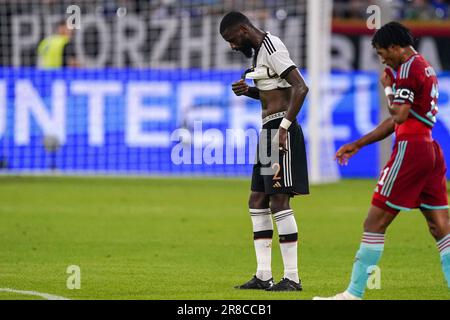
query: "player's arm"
399, 112
298, 93
242, 88
381, 132
299, 90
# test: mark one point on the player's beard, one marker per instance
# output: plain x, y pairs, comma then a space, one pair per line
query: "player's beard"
247, 50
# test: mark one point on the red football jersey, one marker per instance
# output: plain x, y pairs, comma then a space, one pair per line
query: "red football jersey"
416, 83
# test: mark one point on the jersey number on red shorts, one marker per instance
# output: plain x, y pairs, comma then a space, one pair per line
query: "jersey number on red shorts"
382, 179
383, 176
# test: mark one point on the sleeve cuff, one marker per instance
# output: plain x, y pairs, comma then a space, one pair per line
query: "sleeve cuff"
286, 72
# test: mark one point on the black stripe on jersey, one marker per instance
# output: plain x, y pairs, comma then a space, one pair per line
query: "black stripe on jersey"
269, 50
269, 42
269, 46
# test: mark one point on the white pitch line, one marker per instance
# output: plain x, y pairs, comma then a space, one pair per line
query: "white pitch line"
34, 293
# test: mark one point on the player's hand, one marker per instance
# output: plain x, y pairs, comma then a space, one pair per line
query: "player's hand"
387, 78
240, 87
280, 140
346, 152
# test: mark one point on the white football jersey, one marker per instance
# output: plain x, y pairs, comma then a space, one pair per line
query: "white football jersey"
271, 63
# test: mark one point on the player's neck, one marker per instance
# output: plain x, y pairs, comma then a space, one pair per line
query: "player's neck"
408, 53
258, 38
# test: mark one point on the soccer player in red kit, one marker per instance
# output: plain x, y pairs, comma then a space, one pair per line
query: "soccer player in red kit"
414, 177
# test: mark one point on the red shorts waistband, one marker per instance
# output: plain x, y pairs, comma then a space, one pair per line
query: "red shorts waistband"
413, 129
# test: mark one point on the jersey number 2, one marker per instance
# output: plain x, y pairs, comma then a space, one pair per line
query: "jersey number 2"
276, 167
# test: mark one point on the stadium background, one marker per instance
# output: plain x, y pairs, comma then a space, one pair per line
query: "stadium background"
147, 68
144, 69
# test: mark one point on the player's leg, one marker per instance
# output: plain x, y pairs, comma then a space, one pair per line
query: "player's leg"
439, 226
438, 222
290, 178
369, 253
371, 248
288, 235
262, 238
434, 206
258, 204
398, 188
262, 233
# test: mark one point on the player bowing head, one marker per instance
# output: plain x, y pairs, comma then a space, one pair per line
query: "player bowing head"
281, 90
236, 29
391, 42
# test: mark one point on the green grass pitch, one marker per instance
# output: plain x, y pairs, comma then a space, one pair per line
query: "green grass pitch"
192, 239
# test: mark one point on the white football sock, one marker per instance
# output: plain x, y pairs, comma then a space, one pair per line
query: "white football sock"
263, 232
288, 232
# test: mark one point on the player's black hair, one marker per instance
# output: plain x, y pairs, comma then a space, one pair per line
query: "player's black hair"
392, 33
232, 19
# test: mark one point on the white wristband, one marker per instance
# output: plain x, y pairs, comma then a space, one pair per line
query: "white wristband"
388, 91
285, 124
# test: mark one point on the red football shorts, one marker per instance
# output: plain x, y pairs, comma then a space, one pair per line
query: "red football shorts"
414, 177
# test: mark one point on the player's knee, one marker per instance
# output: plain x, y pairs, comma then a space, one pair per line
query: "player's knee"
375, 226
378, 220
279, 203
258, 200
277, 208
